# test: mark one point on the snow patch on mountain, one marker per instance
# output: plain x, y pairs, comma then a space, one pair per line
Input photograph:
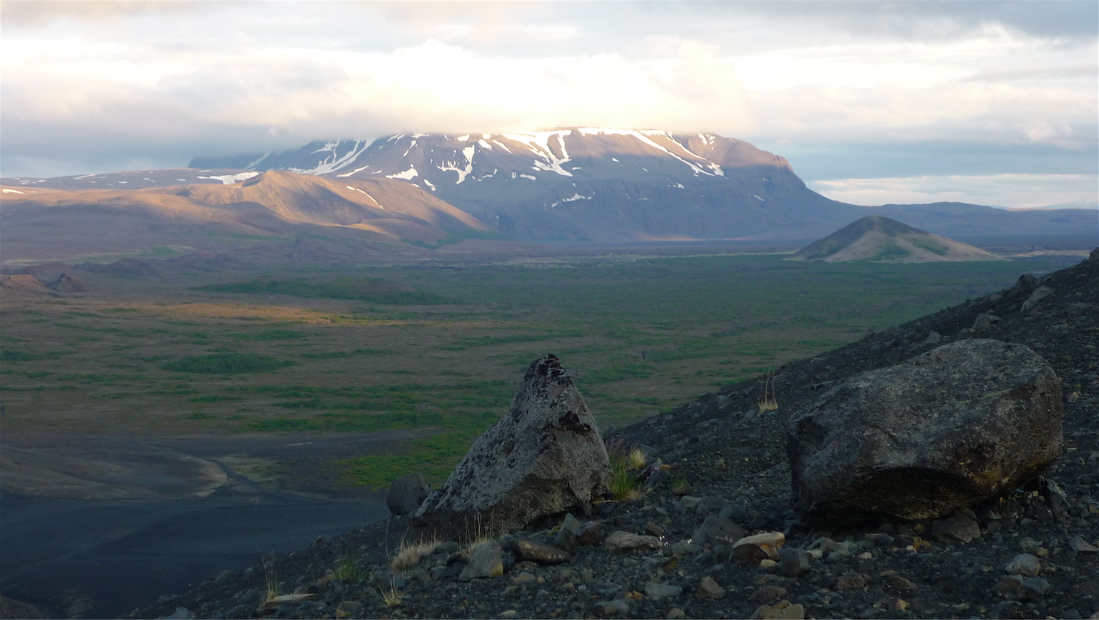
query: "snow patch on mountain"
407, 175
333, 161
538, 143
373, 199
572, 198
228, 179
464, 171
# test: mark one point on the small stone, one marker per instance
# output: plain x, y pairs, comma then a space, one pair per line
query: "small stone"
793, 562
509, 613
690, 502
571, 524
1032, 588
851, 581
1041, 552
1024, 564
752, 549
956, 529
708, 588
625, 541
674, 613
767, 563
1079, 545
899, 605
684, 547
654, 529
541, 554
879, 539
616, 607
486, 561
1009, 584
716, 529
657, 591
590, 534
895, 580
523, 577
768, 594
782, 610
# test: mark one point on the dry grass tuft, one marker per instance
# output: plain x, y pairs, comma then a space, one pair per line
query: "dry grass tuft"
767, 400
410, 554
391, 596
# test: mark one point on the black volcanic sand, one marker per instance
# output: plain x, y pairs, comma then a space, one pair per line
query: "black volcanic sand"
116, 522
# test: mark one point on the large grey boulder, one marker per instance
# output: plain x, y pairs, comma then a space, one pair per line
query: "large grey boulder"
406, 494
957, 425
546, 456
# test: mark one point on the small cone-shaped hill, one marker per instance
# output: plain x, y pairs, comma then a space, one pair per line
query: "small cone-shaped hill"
880, 239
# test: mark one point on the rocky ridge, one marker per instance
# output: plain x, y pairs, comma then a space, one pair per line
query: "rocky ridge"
714, 534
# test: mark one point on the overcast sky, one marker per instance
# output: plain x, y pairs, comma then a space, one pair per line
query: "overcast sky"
872, 102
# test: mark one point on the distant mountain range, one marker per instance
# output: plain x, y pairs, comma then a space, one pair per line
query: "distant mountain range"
880, 239
579, 184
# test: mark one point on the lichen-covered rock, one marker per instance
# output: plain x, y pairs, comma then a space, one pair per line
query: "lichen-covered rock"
545, 457
954, 426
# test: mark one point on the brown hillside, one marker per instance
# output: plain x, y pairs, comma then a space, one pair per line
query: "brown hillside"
881, 239
45, 224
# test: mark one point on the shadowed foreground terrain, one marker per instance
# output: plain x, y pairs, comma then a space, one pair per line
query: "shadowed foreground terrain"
725, 457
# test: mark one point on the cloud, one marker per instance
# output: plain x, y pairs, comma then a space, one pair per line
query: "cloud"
1005, 190
100, 83
291, 95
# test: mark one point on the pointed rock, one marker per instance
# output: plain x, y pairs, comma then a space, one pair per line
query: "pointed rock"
545, 457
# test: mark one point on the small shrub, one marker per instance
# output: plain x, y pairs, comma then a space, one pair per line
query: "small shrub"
347, 569
624, 482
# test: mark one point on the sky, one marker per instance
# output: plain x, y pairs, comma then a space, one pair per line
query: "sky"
872, 102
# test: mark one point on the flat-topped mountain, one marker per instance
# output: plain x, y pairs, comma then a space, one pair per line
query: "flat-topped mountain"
586, 183
881, 239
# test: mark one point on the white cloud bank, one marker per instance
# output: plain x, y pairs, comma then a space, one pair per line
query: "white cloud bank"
1014, 190
91, 87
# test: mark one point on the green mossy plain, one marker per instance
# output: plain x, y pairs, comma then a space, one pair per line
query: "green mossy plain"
324, 353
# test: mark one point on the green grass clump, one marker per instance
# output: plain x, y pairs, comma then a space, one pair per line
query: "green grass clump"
9, 355
624, 465
227, 363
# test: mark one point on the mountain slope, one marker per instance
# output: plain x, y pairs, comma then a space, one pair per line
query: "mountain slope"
583, 183
51, 224
881, 239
